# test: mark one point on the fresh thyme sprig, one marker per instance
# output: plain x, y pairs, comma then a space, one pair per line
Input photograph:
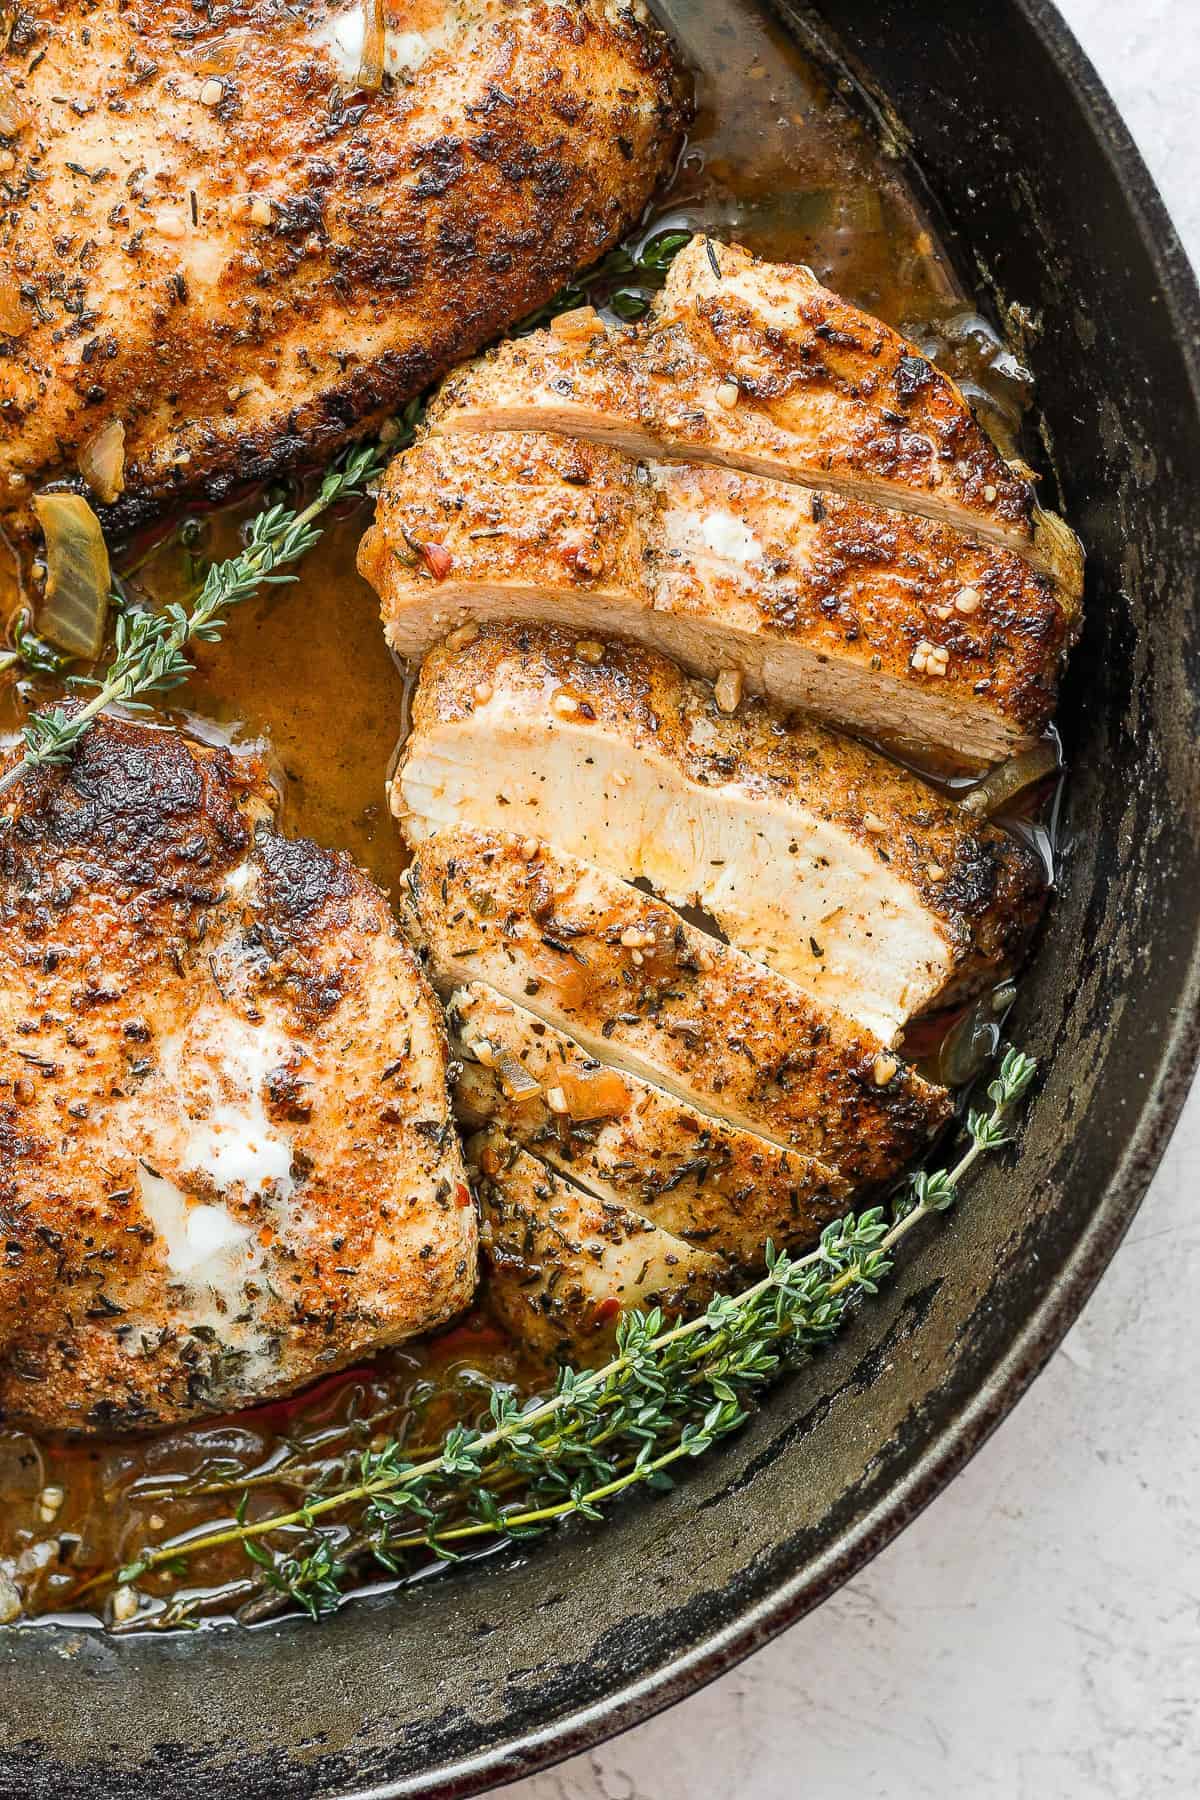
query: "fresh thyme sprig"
668, 1395
149, 647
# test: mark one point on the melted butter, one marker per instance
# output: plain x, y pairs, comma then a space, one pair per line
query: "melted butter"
233, 1142
777, 159
719, 532
341, 38
210, 1257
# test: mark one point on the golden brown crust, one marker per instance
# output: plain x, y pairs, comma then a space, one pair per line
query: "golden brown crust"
564, 1265
894, 855
754, 366
622, 1139
862, 405
632, 982
824, 600
200, 1023
227, 247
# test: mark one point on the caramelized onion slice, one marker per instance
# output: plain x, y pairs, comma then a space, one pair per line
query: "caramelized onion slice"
370, 69
1001, 787
597, 1094
517, 1080
102, 461
75, 610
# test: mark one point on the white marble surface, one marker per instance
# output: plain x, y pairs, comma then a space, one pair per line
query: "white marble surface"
1036, 1634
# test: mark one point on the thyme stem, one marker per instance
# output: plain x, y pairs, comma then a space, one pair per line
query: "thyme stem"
667, 1394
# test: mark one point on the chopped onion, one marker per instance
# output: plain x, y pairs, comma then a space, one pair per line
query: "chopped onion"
516, 1078
598, 1094
75, 610
581, 322
370, 68
1001, 787
102, 461
14, 320
14, 112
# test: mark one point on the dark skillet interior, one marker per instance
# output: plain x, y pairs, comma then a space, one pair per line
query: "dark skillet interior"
465, 1681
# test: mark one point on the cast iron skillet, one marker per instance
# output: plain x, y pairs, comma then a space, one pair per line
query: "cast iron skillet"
469, 1680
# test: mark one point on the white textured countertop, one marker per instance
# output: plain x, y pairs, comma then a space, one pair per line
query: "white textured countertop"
1036, 1634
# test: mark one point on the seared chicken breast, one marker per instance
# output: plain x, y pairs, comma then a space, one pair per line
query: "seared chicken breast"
227, 233
625, 1140
860, 882
227, 1164
637, 987
946, 648
564, 1265
755, 366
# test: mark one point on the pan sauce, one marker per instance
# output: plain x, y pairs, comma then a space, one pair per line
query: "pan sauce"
780, 159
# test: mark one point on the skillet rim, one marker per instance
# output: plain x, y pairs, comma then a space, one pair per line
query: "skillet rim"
961, 1434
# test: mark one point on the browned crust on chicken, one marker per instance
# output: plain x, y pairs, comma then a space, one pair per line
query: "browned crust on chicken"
973, 890
755, 366
623, 1139
149, 934
565, 1265
226, 246
633, 983
833, 608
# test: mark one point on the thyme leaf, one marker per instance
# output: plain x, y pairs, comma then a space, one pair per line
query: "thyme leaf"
669, 1394
621, 281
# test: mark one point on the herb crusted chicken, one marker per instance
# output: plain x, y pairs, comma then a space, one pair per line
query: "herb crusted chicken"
758, 478
637, 987
227, 1164
238, 234
873, 891
894, 625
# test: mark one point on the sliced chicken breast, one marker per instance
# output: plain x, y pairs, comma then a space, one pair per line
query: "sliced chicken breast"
564, 1265
638, 987
625, 1140
226, 235
227, 1163
755, 366
860, 882
898, 627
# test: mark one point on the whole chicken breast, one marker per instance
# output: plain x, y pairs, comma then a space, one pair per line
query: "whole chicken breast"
865, 885
225, 234
227, 1164
898, 626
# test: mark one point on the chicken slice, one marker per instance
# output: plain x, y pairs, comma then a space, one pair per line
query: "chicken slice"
625, 1140
228, 1161
217, 236
863, 884
638, 987
564, 1265
755, 366
898, 627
